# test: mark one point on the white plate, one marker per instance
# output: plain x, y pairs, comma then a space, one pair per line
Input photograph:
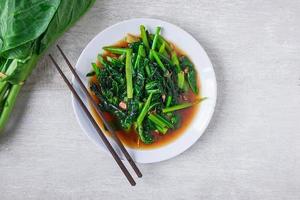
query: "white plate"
185, 42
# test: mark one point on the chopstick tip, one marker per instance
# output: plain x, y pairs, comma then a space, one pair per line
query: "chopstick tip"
133, 184
59, 48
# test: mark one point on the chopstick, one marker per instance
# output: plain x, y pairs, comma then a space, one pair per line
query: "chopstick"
101, 134
99, 112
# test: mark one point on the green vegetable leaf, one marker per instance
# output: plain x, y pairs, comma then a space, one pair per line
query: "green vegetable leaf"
145, 135
22, 21
27, 29
191, 74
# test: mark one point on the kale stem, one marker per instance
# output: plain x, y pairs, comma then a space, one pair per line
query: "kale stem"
155, 38
180, 77
3, 85
128, 71
154, 42
96, 69
144, 110
181, 106
177, 107
141, 53
175, 61
169, 101
156, 57
180, 73
163, 40
9, 103
144, 36
3, 89
160, 121
162, 130
162, 48
115, 50
137, 61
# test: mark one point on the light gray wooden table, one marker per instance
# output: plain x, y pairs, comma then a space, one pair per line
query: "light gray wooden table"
251, 149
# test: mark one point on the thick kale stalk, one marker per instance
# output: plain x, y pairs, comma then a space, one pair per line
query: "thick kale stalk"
129, 74
27, 30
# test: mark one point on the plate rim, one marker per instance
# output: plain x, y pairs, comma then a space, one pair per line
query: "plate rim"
209, 116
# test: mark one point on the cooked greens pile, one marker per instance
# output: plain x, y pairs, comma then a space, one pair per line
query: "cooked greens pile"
142, 85
27, 29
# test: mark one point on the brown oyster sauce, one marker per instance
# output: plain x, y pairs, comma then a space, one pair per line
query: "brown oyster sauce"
130, 138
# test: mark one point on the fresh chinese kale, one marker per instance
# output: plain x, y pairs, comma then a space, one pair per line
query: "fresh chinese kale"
27, 29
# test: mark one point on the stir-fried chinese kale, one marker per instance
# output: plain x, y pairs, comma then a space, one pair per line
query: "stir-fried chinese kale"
142, 85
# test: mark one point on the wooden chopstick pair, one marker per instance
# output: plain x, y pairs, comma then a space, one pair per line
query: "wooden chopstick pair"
96, 126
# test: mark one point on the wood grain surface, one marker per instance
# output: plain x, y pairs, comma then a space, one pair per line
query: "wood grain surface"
251, 149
